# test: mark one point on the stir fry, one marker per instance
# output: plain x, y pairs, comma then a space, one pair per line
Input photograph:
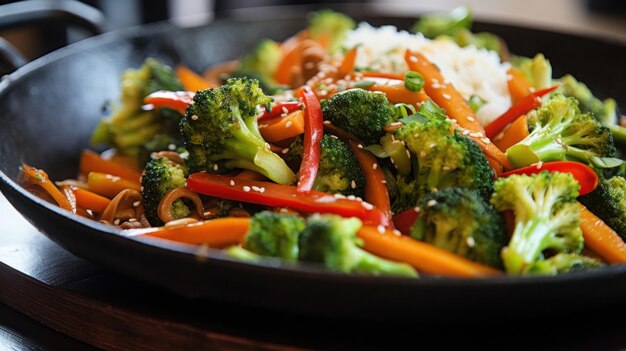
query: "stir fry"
377, 151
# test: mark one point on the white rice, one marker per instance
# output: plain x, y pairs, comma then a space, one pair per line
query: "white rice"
472, 71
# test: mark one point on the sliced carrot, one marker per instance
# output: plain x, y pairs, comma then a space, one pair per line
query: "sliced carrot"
497, 167
446, 96
601, 238
349, 61
92, 162
423, 257
109, 185
89, 200
519, 86
396, 91
513, 134
290, 59
191, 80
281, 128
217, 233
40, 178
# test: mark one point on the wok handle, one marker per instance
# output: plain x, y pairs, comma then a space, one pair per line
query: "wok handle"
25, 13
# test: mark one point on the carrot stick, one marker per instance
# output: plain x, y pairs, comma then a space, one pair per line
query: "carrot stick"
513, 134
423, 257
109, 185
445, 95
92, 162
290, 59
519, 86
39, 177
601, 238
396, 91
89, 200
281, 128
217, 233
191, 80
349, 60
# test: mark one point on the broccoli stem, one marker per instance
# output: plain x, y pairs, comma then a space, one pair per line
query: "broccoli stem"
526, 244
619, 133
544, 149
370, 264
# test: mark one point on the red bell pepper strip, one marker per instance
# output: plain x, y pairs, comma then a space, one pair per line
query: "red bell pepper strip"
313, 133
522, 107
279, 109
175, 100
404, 220
277, 195
586, 177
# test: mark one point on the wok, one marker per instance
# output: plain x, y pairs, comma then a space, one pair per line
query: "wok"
49, 107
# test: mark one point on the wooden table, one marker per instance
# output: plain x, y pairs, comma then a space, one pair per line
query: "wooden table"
107, 310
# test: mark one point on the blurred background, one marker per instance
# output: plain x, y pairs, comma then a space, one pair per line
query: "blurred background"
35, 27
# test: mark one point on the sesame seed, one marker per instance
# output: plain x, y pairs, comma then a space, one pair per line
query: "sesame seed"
339, 196
381, 229
539, 164
470, 241
470, 118
422, 153
132, 219
285, 151
466, 132
374, 166
288, 124
532, 89
261, 126
246, 188
367, 205
408, 154
267, 146
262, 190
323, 92
353, 184
360, 146
416, 135
396, 232
194, 117
136, 203
171, 147
446, 168
431, 203
413, 59
215, 167
232, 182
334, 136
499, 136
392, 161
351, 197
283, 115
116, 222
432, 145
417, 209
383, 181
256, 188
327, 123
285, 110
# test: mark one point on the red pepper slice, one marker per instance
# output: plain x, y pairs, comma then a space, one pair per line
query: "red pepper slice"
404, 220
279, 109
522, 107
277, 195
586, 177
313, 133
176, 100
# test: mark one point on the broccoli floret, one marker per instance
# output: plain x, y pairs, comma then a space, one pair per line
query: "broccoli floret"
160, 177
547, 217
561, 132
447, 23
338, 168
160, 142
564, 263
331, 25
129, 127
332, 241
439, 158
537, 70
461, 221
362, 113
220, 132
261, 63
274, 234
608, 201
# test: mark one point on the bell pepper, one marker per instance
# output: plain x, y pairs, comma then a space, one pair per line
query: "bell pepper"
313, 133
280, 108
277, 195
175, 100
586, 177
404, 220
522, 107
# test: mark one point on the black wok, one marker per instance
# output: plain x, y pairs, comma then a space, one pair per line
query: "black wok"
49, 107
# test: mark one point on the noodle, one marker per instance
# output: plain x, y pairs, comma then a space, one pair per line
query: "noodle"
165, 206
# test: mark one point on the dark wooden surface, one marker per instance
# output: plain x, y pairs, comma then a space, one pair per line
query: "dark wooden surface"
52, 300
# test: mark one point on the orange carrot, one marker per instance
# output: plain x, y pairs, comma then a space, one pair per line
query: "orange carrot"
92, 162
294, 40
191, 80
601, 238
281, 128
423, 257
89, 200
290, 59
109, 185
445, 95
39, 177
513, 134
519, 86
349, 60
217, 233
396, 91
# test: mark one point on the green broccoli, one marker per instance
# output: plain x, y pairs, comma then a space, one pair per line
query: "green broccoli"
561, 132
338, 172
564, 263
608, 201
439, 158
129, 127
547, 217
220, 132
362, 113
332, 241
261, 63
274, 234
448, 23
604, 111
331, 25
460, 221
537, 70
160, 177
